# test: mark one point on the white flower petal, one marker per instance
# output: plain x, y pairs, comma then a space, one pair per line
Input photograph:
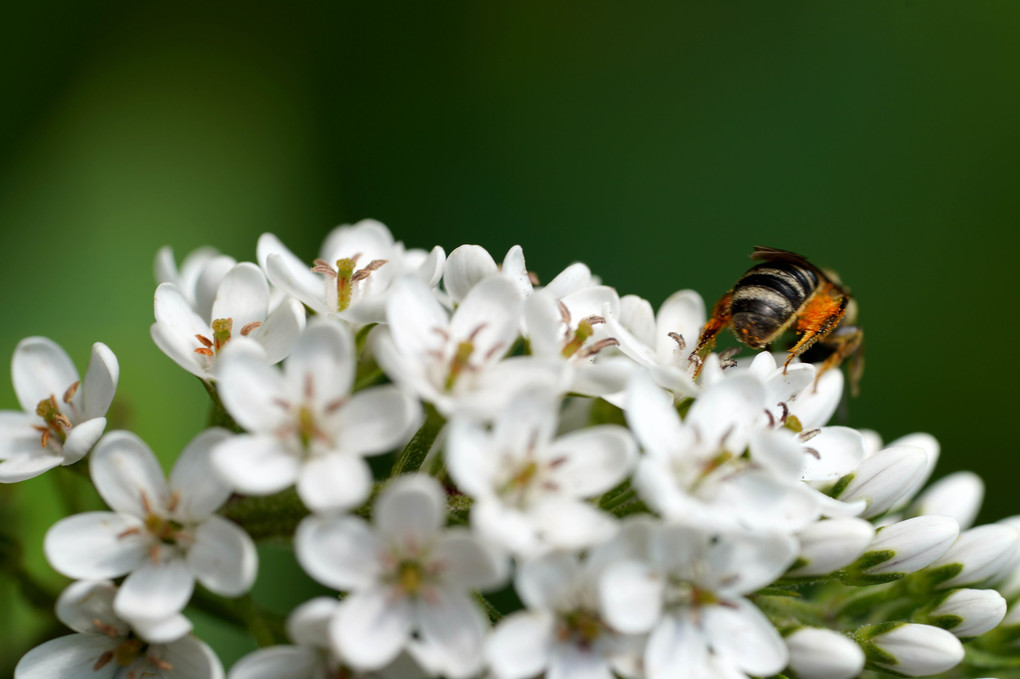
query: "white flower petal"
542, 582
683, 312
814, 407
469, 457
95, 545
280, 661
281, 330
725, 410
199, 490
250, 389
82, 438
452, 624
223, 557
370, 628
40, 369
296, 279
471, 563
207, 284
28, 463
69, 657
411, 508
243, 297
593, 459
181, 354
465, 267
631, 596
322, 361
516, 270
638, 317
840, 450
127, 475
155, 590
376, 420
334, 481
87, 601
178, 326
744, 636
413, 315
193, 659
573, 661
528, 423
490, 317
568, 523
100, 381
520, 645
340, 552
308, 624
653, 419
255, 465
162, 630
677, 648
571, 279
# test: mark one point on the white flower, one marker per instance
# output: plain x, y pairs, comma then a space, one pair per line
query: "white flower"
661, 342
107, 647
969, 612
468, 265
573, 330
981, 555
63, 417
561, 632
817, 653
313, 656
199, 277
240, 309
305, 425
958, 495
826, 546
162, 536
905, 547
529, 487
352, 276
688, 590
454, 361
694, 469
916, 650
886, 478
409, 580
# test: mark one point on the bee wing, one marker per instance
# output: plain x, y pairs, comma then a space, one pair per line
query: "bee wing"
773, 254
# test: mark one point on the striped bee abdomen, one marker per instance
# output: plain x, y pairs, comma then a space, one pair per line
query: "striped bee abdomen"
766, 299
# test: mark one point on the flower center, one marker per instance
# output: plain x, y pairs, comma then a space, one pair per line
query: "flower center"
57, 423
410, 577
681, 593
222, 331
582, 626
346, 276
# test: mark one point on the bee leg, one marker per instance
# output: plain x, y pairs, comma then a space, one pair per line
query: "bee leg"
846, 342
718, 322
819, 317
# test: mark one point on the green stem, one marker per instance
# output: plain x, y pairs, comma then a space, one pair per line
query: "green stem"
410, 458
265, 626
269, 517
69, 490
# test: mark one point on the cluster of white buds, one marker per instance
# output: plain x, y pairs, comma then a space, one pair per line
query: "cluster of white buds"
551, 444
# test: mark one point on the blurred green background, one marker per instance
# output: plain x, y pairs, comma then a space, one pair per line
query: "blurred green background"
656, 142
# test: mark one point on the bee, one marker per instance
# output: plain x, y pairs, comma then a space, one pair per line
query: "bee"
786, 292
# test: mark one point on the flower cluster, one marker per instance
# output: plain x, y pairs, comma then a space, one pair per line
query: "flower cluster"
566, 494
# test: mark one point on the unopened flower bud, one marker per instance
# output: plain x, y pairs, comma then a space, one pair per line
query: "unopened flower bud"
969, 612
958, 495
911, 649
826, 546
884, 478
930, 445
903, 548
824, 654
985, 554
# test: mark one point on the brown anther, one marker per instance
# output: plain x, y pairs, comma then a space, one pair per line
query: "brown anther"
154, 554
246, 330
728, 354
594, 319
175, 499
786, 412
557, 462
324, 267
809, 434
281, 403
564, 312
146, 505
129, 531
812, 452
772, 420
103, 661
63, 420
335, 404
45, 439
494, 351
596, 347
71, 391
204, 340
362, 273
533, 278
108, 630
442, 333
681, 343
160, 663
309, 385
474, 333
205, 352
